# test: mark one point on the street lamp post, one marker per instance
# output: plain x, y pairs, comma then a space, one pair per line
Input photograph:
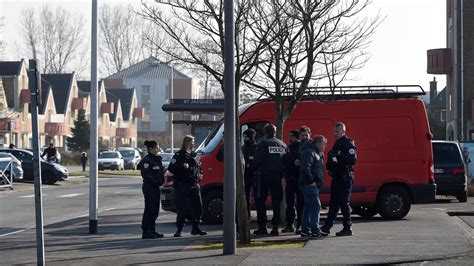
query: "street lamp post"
172, 115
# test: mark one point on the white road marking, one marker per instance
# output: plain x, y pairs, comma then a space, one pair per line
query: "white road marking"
31, 196
71, 195
15, 232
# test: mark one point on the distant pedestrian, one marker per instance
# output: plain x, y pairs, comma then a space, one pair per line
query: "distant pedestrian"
340, 162
83, 161
311, 180
151, 168
187, 173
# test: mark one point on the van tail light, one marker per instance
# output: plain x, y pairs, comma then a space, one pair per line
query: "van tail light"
458, 171
168, 179
431, 176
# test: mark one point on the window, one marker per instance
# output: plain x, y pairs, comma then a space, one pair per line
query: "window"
145, 89
443, 115
257, 126
146, 103
145, 126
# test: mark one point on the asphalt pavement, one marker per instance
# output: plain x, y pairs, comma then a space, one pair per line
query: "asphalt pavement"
427, 235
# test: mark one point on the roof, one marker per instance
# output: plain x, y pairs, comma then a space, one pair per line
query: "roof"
45, 91
125, 96
84, 87
10, 68
150, 68
439, 100
61, 86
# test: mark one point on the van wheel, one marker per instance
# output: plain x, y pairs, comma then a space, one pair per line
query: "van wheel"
48, 178
364, 212
393, 203
213, 207
462, 197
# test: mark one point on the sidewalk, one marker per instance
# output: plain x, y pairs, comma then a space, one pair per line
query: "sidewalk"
427, 233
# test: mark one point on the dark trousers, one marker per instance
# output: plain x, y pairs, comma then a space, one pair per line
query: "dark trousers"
188, 200
248, 179
269, 183
294, 203
340, 199
83, 167
152, 207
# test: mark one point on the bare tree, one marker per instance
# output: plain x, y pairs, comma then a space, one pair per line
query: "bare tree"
122, 32
55, 37
313, 42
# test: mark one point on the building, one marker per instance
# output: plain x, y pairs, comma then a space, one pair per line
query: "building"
152, 79
437, 106
456, 61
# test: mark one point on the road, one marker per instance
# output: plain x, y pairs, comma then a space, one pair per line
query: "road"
65, 201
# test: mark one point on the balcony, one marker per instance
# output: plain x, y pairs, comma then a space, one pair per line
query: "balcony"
25, 96
4, 125
107, 108
55, 129
138, 112
101, 131
124, 133
79, 103
439, 61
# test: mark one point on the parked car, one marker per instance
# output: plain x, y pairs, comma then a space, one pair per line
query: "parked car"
112, 160
449, 170
50, 172
16, 166
395, 160
166, 159
131, 157
168, 150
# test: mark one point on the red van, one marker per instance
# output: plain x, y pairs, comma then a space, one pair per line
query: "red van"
395, 159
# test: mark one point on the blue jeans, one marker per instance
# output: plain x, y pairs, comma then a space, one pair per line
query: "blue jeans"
311, 209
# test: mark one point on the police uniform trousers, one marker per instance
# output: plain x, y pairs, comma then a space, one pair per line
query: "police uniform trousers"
293, 195
249, 184
188, 201
152, 206
269, 182
340, 199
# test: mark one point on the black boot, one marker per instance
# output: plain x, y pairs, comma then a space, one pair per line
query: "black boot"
158, 235
288, 229
325, 230
148, 235
346, 231
198, 231
178, 233
274, 231
262, 231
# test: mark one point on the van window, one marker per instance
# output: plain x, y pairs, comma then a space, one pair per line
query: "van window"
446, 153
210, 143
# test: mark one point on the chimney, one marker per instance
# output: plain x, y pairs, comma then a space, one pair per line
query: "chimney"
433, 90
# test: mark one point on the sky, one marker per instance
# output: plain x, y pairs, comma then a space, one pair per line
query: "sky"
397, 52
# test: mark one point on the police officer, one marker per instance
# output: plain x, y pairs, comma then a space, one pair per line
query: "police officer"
248, 150
340, 162
50, 153
292, 191
269, 160
151, 169
187, 173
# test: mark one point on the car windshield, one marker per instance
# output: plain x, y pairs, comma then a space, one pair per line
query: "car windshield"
446, 153
210, 143
166, 156
109, 155
128, 153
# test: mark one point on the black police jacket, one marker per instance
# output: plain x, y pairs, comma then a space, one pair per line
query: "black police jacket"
185, 168
151, 169
249, 150
270, 156
342, 157
292, 170
50, 152
312, 165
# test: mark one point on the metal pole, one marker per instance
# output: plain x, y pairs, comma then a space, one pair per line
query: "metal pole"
230, 170
172, 114
462, 70
93, 184
34, 77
